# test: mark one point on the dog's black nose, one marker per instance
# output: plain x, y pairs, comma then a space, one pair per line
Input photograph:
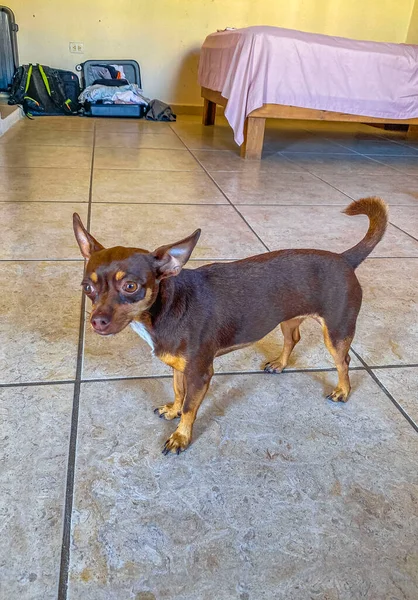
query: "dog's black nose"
100, 323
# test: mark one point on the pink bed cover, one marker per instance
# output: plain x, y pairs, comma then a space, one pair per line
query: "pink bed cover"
259, 65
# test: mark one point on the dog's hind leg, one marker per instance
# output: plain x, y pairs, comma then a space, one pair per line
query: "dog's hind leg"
338, 346
291, 336
173, 410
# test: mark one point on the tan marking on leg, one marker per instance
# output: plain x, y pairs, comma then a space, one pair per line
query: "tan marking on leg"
120, 275
291, 336
339, 353
173, 410
196, 388
94, 277
177, 362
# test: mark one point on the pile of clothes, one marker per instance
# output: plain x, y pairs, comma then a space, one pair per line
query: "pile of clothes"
110, 86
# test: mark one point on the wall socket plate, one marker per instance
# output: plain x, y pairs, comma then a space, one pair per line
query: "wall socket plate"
76, 47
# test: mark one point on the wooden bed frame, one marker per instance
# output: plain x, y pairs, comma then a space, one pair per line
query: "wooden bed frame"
255, 122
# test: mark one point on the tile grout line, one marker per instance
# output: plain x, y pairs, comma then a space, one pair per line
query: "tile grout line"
368, 157
69, 491
293, 370
222, 192
385, 390
403, 231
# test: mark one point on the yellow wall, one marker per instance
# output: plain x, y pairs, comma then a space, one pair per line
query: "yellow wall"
412, 37
165, 35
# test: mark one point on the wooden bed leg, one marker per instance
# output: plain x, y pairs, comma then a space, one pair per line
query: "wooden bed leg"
412, 132
209, 112
253, 138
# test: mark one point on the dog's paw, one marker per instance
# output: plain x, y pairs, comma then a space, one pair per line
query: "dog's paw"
176, 443
167, 412
275, 366
338, 395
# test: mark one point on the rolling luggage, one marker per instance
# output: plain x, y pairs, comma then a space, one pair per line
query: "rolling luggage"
8, 47
100, 109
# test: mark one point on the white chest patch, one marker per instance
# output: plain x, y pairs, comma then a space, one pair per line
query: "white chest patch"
140, 329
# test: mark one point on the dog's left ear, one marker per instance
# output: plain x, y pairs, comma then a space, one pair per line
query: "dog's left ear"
171, 258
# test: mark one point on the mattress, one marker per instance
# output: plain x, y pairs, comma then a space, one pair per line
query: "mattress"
270, 65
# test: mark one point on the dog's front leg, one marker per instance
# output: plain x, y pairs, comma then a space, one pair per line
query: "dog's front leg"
173, 410
197, 383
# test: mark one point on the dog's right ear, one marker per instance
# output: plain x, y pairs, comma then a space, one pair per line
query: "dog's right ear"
88, 245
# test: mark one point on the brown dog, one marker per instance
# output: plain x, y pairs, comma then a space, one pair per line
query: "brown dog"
189, 317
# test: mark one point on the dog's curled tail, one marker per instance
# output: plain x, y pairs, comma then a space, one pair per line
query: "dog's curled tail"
377, 211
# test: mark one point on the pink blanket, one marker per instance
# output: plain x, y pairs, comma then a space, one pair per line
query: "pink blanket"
259, 65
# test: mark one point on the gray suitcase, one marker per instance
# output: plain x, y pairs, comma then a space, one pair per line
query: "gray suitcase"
8, 47
133, 75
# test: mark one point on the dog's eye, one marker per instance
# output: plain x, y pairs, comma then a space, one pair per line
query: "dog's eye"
130, 287
88, 289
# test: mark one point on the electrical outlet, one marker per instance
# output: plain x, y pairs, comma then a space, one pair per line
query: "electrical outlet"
77, 47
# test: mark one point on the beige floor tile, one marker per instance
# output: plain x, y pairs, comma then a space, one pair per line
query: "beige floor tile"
224, 141
273, 475
231, 161
35, 437
70, 157
52, 185
323, 228
40, 310
141, 187
403, 385
39, 230
275, 140
131, 125
387, 328
395, 188
375, 147
224, 233
406, 217
66, 123
145, 159
271, 188
302, 142
347, 164
22, 136
404, 164
110, 139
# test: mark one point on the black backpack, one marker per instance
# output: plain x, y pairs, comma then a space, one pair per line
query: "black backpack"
41, 90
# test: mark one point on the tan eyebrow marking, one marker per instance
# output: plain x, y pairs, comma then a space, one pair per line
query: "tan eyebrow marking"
94, 277
120, 275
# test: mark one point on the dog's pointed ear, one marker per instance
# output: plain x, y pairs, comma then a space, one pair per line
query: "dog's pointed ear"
171, 259
88, 245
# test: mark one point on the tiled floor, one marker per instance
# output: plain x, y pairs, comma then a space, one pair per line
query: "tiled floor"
283, 495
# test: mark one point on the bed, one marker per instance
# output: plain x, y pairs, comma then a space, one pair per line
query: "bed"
257, 73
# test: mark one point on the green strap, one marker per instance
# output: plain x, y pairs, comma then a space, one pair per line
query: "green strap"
45, 79
32, 99
28, 77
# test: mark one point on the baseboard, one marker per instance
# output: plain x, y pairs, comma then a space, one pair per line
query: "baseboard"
9, 115
192, 109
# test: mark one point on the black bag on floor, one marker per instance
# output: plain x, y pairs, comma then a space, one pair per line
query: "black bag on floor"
41, 90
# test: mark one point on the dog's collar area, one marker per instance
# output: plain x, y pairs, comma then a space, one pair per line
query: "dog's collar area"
143, 332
